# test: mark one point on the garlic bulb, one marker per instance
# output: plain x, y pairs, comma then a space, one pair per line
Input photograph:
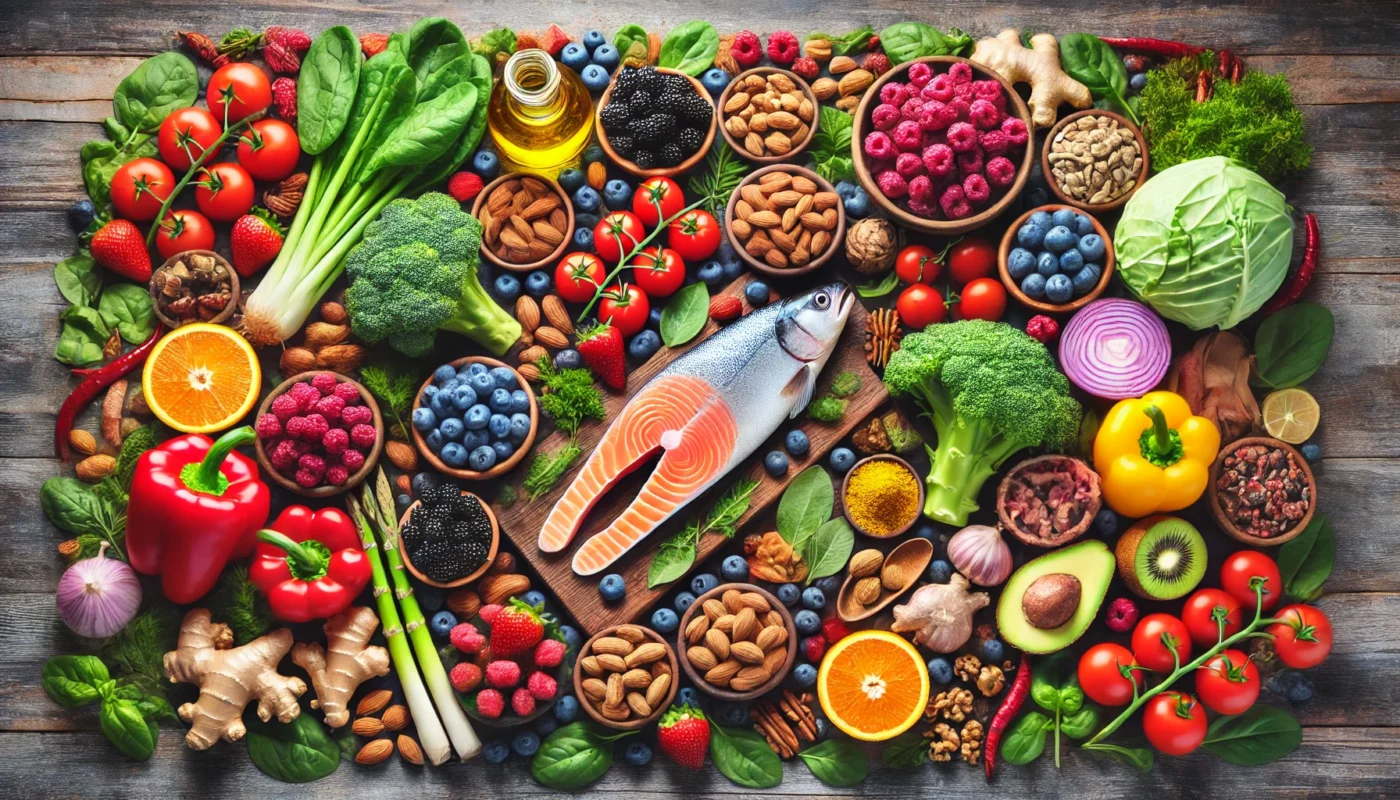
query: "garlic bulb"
941, 613
979, 552
98, 596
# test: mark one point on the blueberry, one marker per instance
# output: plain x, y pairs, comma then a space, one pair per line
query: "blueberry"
544, 726
1106, 522
1091, 246
480, 382
572, 638
475, 439
807, 622
592, 153
453, 454
532, 598
1041, 219
499, 425
703, 582
442, 623
526, 744
823, 728
503, 448
402, 502
583, 239
687, 696
1083, 226
476, 368
654, 318
519, 425
500, 401
788, 594
857, 205
582, 220
1030, 235
612, 588
587, 199
81, 215
715, 81
644, 345
430, 598
940, 670
776, 462
495, 752
1071, 261
733, 714
804, 675
664, 620
424, 419
711, 273
507, 288
1065, 217
925, 530
574, 56
638, 754
1034, 286
734, 569
617, 193
1047, 264
441, 405
939, 571
993, 651
1138, 82
841, 460
486, 164
1059, 239
519, 402
607, 58
732, 270
477, 417
422, 482
538, 283
444, 373
1085, 279
1311, 452
482, 459
829, 585
568, 359
1020, 262
594, 77
566, 709
757, 294
452, 429
1034, 197
797, 443
593, 39
814, 599
683, 601
1059, 288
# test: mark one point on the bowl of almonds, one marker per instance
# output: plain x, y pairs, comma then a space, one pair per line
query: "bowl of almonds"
626, 676
785, 220
526, 221
874, 579
768, 115
1095, 160
738, 642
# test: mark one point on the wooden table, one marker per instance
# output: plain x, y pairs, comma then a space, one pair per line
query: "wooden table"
61, 59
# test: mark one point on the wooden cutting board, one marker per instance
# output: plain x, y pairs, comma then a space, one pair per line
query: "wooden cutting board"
579, 595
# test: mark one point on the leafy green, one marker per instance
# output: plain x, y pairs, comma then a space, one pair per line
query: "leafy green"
684, 315
242, 606
879, 287
570, 396
1085, 57
1025, 739
574, 756
101, 159
906, 41
1292, 344
690, 48
395, 394
326, 87
831, 145
909, 749
828, 550
1261, 735
127, 717
78, 279
140, 648
433, 43
127, 728
75, 507
676, 554
131, 308
847, 44
827, 408
546, 468
300, 751
1305, 561
805, 506
158, 86
73, 681
845, 384
745, 758
85, 332
1139, 758
632, 45
723, 173
494, 42
835, 762
1055, 688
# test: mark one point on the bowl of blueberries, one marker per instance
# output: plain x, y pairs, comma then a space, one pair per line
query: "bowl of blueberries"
475, 418
1056, 259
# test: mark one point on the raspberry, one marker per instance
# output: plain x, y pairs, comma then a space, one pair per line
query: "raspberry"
284, 456
307, 479
334, 441
1122, 613
937, 116
541, 686
963, 91
490, 703
297, 41
892, 184
467, 638
330, 407
352, 459
983, 114
909, 165
911, 108
488, 612
323, 382
961, 73
962, 137
305, 395
268, 426
940, 89
806, 68
1001, 173
970, 163
316, 427
1044, 329
284, 97
907, 135
284, 407
503, 674
994, 143
348, 393
987, 90
920, 188
337, 475
783, 48
297, 427
363, 436
373, 43
877, 64
522, 703
960, 108
312, 463
814, 647
894, 93
954, 202
464, 186
885, 116
834, 629
549, 653
976, 190
280, 59
920, 74
1015, 131
355, 415
878, 145
465, 676
927, 210
747, 49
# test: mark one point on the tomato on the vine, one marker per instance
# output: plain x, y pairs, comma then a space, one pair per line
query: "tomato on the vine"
1228, 683
657, 192
1302, 636
624, 307
578, 277
917, 264
695, 235
971, 259
616, 234
239, 88
1199, 616
269, 149
1238, 573
1101, 674
981, 298
1154, 639
920, 305
225, 191
184, 136
659, 271
183, 230
140, 187
1174, 722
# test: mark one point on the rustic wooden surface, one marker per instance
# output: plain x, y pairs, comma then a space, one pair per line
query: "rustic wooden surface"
61, 59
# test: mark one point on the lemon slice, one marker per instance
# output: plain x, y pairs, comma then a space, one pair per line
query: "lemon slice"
1291, 415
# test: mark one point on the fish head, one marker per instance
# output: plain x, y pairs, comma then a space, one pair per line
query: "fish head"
809, 325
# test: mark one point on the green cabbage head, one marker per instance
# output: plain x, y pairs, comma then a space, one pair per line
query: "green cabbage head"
1206, 242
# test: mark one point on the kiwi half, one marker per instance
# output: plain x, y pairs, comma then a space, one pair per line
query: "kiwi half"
1161, 557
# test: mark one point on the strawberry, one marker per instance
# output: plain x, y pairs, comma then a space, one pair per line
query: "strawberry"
517, 628
684, 735
554, 39
601, 348
373, 43
120, 247
256, 239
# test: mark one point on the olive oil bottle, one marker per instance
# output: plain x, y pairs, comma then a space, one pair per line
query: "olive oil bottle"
541, 116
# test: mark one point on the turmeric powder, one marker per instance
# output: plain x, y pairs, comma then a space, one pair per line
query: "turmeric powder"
882, 496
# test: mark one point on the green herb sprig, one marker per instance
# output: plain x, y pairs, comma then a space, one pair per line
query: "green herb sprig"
395, 393
570, 396
678, 553
723, 172
547, 468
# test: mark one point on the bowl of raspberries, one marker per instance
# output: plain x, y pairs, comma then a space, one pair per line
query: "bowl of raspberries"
319, 434
508, 664
654, 121
942, 144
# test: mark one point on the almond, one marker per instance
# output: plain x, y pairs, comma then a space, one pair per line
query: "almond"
840, 65
855, 82
771, 637
866, 590
631, 633
594, 689
549, 202
410, 750
656, 691
733, 602
825, 88
722, 673
324, 334
296, 360
367, 726
590, 665
341, 357
375, 752
616, 691
637, 702
783, 121
738, 127
612, 645
714, 609
736, 102
551, 337
749, 678
532, 355
725, 624
717, 643
776, 259
95, 467
848, 104
786, 198
820, 240
753, 143
529, 372
696, 628
701, 658
403, 484
502, 564
741, 227
373, 702
402, 455
636, 678
755, 601
646, 654
496, 589
866, 563
745, 625
334, 313
395, 718
765, 219
818, 49
527, 313
748, 653
557, 315
774, 660
597, 175
774, 619
892, 577
617, 712
464, 603
723, 308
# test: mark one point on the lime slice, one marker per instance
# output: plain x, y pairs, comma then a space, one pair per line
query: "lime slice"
1291, 415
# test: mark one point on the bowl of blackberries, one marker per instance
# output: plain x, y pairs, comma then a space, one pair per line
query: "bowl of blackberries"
655, 121
449, 536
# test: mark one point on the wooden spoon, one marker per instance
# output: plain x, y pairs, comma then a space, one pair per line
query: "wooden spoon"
912, 557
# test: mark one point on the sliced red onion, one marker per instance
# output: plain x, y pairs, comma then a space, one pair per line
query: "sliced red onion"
1115, 349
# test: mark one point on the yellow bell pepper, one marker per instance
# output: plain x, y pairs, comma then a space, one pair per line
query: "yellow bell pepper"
1153, 455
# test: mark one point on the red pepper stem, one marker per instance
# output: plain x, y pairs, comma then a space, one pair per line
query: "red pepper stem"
206, 478
308, 560
1161, 439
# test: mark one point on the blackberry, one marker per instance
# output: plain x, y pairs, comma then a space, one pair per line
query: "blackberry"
615, 116
654, 129
628, 81
695, 109
671, 154
644, 159
640, 103
675, 84
443, 562
623, 144
650, 79
473, 555
691, 139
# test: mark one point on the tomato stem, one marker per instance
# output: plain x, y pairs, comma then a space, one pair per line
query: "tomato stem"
194, 168
636, 248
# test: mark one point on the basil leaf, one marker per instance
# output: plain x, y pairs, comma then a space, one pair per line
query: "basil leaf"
1140, 758
73, 681
1261, 735
905, 41
835, 762
690, 48
326, 88
828, 550
671, 562
500, 40
1071, 696
831, 145
72, 506
684, 315
745, 758
1292, 344
300, 751
126, 728
130, 305
1077, 726
78, 279
879, 288
158, 86
632, 44
84, 334
909, 749
433, 43
1044, 693
1025, 741
572, 757
1085, 58
1306, 561
805, 505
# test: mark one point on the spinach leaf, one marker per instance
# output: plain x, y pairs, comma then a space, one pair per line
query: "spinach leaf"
161, 84
78, 279
905, 41
1306, 561
849, 44
386, 95
479, 74
672, 560
73, 681
84, 333
101, 159
690, 48
632, 44
879, 288
909, 749
684, 315
1025, 740
300, 751
573, 757
1139, 758
835, 762
73, 506
805, 505
1292, 344
745, 758
434, 42
500, 40
1261, 735
428, 131
1085, 57
130, 305
128, 729
326, 88
831, 145
828, 550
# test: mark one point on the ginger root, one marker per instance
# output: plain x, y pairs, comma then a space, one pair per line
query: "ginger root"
1040, 67
347, 661
941, 614
229, 678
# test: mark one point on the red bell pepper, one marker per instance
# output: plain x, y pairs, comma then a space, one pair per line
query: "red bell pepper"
309, 564
194, 505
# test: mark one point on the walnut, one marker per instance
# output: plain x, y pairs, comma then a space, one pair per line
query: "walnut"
871, 245
953, 704
772, 559
966, 667
971, 741
945, 742
991, 680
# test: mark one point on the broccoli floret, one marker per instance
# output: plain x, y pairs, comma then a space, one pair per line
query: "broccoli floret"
827, 408
415, 272
990, 391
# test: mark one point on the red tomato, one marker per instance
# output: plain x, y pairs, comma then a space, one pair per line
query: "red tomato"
185, 134
578, 277
981, 298
140, 187
1240, 570
1302, 636
616, 234
184, 230
624, 307
658, 271
269, 149
1199, 616
1101, 676
971, 259
917, 264
225, 192
236, 91
654, 192
1154, 638
1174, 723
1228, 683
920, 306
695, 236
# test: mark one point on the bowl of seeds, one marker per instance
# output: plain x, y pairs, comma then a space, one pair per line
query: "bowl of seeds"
526, 221
1094, 160
626, 676
739, 642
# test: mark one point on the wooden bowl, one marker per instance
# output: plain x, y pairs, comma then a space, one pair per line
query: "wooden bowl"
838, 236
846, 482
727, 694
1064, 537
235, 290
567, 205
1212, 494
371, 458
1100, 208
663, 172
631, 724
912, 557
738, 146
478, 572
1008, 242
451, 657
501, 466
939, 227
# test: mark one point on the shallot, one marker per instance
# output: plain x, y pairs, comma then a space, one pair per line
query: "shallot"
979, 552
98, 596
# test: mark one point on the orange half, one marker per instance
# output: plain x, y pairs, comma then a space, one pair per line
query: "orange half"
201, 378
873, 685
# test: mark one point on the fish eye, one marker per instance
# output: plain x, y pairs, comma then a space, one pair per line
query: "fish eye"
822, 300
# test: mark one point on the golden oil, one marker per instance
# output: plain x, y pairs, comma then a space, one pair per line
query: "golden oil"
541, 116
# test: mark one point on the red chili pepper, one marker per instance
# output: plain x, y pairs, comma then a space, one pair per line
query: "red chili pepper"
1153, 47
1204, 86
310, 565
1015, 697
1236, 71
95, 380
1223, 63
1293, 289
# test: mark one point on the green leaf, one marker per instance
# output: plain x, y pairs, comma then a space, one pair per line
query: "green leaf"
836, 762
433, 43
158, 86
732, 505
128, 729
909, 749
1081, 724
632, 45
1305, 561
1071, 696
73, 681
848, 44
428, 131
500, 40
1261, 735
828, 550
83, 336
905, 41
1025, 740
1088, 60
1139, 758
831, 145
674, 558
572, 757
101, 159
78, 279
723, 173
300, 751
690, 48
130, 305
805, 505
72, 506
879, 288
326, 88
1292, 344
1045, 693
684, 315
745, 758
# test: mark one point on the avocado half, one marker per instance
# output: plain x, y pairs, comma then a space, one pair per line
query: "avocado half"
1090, 563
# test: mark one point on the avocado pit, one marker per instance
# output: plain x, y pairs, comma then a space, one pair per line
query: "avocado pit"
1051, 600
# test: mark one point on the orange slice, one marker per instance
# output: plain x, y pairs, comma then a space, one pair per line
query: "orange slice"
201, 378
873, 685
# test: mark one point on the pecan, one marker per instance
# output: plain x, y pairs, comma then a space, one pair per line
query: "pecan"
286, 197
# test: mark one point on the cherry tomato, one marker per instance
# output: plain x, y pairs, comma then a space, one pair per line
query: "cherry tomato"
658, 271
920, 306
1302, 636
654, 192
1199, 616
269, 149
239, 88
1228, 683
225, 191
184, 230
624, 307
1174, 723
1241, 568
140, 187
185, 134
971, 259
1154, 638
695, 235
578, 277
981, 298
1101, 676
616, 234
917, 264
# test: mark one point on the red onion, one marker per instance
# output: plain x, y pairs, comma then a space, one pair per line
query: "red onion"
98, 596
1115, 349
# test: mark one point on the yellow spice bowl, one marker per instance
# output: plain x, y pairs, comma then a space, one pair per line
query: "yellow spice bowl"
858, 520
